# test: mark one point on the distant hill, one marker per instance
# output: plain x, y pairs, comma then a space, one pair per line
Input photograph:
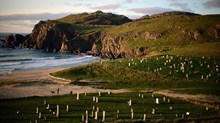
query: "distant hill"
96, 18
172, 13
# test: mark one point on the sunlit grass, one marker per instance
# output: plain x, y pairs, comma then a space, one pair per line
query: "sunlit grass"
108, 103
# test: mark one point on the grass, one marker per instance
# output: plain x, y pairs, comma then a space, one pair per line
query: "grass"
109, 103
207, 91
159, 72
204, 49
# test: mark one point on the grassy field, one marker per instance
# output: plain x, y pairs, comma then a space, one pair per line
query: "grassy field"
24, 109
158, 72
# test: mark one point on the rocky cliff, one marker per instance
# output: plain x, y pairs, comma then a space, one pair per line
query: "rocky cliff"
110, 46
72, 34
54, 36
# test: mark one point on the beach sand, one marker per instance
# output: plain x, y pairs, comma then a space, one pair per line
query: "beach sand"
28, 75
38, 83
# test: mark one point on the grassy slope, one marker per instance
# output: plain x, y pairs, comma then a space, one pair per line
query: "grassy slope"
84, 30
109, 103
175, 31
152, 73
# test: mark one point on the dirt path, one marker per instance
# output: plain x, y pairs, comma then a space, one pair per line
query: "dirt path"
209, 101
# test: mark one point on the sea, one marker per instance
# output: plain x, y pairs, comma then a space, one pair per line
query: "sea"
20, 59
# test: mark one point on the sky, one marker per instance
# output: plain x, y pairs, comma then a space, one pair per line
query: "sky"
19, 16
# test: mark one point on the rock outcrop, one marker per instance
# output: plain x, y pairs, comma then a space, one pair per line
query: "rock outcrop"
114, 47
48, 35
54, 36
12, 40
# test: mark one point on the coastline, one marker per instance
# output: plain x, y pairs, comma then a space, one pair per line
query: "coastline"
28, 75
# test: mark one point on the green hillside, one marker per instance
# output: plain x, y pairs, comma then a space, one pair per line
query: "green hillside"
177, 34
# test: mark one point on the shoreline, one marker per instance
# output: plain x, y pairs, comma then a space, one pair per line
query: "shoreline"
28, 75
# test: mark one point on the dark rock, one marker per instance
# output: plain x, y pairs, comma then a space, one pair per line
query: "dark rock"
65, 48
9, 41
12, 41
19, 39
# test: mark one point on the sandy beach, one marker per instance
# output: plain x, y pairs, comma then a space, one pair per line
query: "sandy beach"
38, 83
28, 75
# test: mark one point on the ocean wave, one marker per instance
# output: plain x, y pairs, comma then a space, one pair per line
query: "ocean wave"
43, 58
6, 55
10, 64
5, 70
23, 59
15, 60
50, 63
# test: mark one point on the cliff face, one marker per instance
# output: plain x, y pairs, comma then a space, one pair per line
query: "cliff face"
53, 36
72, 34
109, 46
47, 35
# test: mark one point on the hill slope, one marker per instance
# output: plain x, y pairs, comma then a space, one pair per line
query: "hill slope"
181, 34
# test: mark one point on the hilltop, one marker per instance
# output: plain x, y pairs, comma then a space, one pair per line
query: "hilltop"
96, 18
